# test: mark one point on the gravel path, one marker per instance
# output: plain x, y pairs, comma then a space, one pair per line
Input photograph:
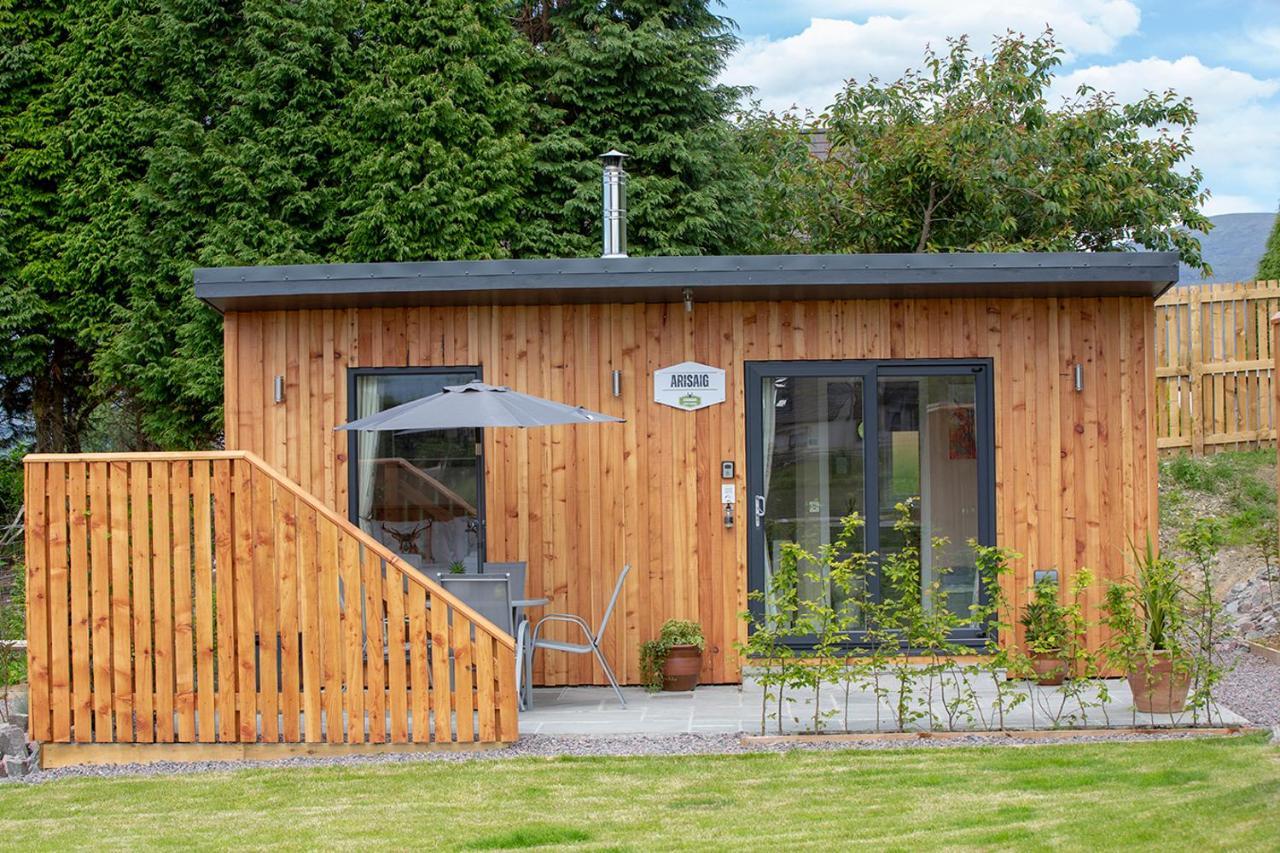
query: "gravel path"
550, 746
1252, 688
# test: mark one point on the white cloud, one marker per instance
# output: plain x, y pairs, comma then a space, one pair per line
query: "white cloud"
1215, 90
1235, 204
1236, 145
1259, 46
885, 38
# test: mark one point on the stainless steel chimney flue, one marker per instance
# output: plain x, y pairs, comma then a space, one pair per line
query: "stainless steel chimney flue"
615, 205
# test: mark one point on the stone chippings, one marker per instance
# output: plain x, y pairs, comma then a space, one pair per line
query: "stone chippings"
1251, 687
554, 746
1254, 606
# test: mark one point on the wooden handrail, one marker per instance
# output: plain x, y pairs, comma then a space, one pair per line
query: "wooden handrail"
381, 550
136, 456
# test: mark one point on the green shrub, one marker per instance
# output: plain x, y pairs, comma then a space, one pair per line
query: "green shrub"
653, 653
1045, 620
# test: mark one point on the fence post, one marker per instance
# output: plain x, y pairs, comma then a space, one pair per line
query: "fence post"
1196, 369
1275, 386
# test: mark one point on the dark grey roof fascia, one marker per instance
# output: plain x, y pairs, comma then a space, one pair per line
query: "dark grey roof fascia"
662, 279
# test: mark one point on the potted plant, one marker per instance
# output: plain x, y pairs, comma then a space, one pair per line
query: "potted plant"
1146, 617
673, 661
1045, 621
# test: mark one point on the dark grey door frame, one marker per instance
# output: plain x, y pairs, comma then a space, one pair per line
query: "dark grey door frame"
353, 482
870, 371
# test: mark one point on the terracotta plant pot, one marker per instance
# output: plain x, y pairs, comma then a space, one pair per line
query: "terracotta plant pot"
1050, 669
1157, 688
680, 672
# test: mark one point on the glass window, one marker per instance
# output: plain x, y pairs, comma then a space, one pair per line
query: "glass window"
929, 476
417, 492
813, 466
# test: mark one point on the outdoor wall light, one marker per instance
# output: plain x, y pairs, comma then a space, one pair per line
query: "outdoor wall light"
617, 383
1079, 371
279, 388
688, 300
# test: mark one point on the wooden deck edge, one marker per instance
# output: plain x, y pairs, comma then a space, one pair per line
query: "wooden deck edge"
54, 755
1265, 652
1010, 734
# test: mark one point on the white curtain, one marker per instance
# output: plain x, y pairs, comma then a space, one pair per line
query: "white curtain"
366, 449
768, 435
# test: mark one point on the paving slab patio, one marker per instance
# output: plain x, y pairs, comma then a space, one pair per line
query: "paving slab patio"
721, 709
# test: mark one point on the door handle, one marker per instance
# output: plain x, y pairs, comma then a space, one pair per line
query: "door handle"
759, 513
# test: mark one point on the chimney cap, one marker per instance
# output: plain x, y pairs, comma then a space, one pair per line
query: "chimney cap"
614, 155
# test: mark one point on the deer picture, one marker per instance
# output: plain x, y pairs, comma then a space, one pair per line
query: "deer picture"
408, 542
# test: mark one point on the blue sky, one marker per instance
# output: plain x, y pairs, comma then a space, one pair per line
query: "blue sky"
1224, 54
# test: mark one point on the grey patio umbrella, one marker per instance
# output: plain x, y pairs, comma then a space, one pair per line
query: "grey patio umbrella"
477, 405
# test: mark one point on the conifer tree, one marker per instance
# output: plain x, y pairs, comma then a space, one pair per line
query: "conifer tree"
1269, 265
437, 158
639, 76
73, 126
310, 132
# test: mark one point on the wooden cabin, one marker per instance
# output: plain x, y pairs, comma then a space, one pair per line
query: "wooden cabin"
764, 398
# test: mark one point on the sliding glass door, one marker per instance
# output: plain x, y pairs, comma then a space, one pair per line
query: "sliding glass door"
905, 444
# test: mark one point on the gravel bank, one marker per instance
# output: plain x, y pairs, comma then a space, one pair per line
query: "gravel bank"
549, 747
1252, 688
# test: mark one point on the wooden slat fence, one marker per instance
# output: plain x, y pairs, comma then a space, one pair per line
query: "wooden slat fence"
1214, 366
204, 598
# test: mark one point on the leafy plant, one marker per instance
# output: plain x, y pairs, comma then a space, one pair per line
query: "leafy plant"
13, 658
1200, 542
1146, 614
1083, 688
1044, 620
995, 615
654, 653
1266, 542
457, 567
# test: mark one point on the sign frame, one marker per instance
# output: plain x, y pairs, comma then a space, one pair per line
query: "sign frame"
689, 386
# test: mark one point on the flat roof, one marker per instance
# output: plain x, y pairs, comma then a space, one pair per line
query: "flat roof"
711, 278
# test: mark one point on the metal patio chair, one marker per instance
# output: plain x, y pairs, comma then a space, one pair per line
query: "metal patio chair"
517, 572
490, 596
591, 646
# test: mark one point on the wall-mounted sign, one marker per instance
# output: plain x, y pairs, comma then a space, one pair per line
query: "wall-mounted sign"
688, 385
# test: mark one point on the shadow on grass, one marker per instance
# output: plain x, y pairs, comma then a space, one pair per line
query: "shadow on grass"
529, 836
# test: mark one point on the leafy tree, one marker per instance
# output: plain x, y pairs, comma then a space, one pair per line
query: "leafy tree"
966, 154
1269, 265
639, 76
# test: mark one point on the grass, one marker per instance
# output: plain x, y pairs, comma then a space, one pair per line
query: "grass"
1217, 793
1235, 478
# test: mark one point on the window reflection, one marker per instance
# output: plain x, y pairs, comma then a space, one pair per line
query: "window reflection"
417, 491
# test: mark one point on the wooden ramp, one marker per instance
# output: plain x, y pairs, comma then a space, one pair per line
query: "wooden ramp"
184, 598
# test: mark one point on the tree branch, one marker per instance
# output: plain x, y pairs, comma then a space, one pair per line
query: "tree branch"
934, 204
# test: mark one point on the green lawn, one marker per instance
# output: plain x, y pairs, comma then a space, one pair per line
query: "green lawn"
1222, 793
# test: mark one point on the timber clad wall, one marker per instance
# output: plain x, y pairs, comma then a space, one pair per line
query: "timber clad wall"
1075, 472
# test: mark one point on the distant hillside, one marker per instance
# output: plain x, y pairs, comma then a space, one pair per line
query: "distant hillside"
1233, 248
